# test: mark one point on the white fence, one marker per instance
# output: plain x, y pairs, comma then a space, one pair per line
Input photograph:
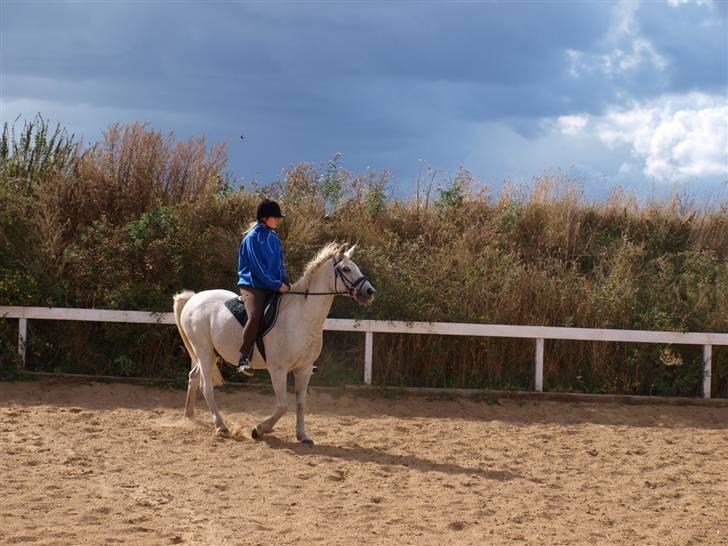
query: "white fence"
370, 327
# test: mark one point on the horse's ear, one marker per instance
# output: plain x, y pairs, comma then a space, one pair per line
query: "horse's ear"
350, 252
342, 250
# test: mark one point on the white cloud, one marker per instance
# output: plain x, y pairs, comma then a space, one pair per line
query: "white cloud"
669, 139
627, 168
572, 125
676, 3
625, 49
641, 52
674, 137
576, 62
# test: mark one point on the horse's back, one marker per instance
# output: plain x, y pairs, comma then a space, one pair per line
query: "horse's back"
204, 304
214, 296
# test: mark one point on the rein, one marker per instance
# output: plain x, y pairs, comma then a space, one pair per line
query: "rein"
351, 286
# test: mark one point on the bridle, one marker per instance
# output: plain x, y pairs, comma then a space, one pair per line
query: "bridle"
351, 287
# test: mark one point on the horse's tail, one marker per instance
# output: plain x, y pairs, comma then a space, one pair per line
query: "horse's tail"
179, 302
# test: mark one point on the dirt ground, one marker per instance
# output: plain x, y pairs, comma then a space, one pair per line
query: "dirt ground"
109, 463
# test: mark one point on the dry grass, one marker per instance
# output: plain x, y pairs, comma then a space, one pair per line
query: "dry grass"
138, 216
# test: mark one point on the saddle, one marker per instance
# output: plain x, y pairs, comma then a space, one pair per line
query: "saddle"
270, 316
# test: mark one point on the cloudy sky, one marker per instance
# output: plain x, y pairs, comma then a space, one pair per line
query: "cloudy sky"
611, 93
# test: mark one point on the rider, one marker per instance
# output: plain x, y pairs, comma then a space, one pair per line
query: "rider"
260, 271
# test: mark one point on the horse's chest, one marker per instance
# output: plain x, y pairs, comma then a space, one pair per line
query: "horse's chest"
309, 346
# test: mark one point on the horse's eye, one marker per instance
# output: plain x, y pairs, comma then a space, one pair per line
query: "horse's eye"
347, 269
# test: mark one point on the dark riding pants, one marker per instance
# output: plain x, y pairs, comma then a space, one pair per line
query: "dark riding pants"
254, 300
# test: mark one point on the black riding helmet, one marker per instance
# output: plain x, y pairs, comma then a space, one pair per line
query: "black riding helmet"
267, 208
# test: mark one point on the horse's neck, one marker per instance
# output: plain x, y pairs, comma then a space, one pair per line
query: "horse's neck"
313, 310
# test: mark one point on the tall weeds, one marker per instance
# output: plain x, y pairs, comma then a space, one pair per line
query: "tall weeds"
127, 222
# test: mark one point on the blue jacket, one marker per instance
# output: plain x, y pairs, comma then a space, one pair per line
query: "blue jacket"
260, 261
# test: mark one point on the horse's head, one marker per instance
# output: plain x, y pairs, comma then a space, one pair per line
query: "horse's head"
349, 274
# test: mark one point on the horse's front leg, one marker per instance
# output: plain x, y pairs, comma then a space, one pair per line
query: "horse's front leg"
278, 378
302, 375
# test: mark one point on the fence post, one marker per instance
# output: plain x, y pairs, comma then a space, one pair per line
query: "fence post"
707, 369
22, 338
368, 346
538, 381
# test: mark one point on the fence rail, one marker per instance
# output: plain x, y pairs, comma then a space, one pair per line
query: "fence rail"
370, 327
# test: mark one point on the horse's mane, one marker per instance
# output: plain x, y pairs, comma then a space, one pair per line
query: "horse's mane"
322, 256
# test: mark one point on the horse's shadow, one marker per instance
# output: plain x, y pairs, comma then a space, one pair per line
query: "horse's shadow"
362, 454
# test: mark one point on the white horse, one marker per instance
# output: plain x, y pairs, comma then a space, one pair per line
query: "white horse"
207, 327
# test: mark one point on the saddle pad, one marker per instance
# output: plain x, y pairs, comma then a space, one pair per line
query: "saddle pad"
270, 316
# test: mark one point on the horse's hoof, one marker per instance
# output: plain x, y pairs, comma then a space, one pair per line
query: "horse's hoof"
307, 441
255, 434
222, 431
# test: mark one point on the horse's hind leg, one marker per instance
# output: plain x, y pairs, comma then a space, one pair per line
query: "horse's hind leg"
206, 363
193, 383
302, 375
278, 378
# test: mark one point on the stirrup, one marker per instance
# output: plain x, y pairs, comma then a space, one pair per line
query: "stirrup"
244, 367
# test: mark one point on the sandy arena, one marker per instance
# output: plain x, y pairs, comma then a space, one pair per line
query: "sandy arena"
111, 463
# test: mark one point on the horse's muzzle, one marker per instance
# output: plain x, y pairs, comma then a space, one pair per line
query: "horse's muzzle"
365, 294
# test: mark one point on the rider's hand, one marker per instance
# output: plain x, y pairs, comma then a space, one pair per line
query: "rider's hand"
284, 288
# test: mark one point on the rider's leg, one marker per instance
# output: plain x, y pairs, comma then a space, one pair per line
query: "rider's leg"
253, 299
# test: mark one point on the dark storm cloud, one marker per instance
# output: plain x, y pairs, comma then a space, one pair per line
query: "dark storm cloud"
386, 83
694, 38
276, 46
